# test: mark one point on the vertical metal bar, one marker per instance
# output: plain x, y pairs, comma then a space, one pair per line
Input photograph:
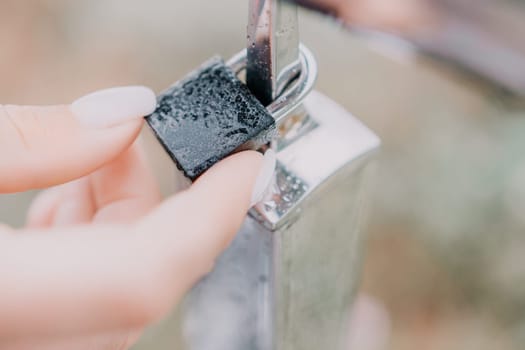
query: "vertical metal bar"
273, 47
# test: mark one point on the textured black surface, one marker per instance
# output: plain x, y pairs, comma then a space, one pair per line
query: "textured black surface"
207, 116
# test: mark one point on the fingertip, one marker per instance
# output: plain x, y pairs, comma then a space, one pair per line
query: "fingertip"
236, 175
113, 106
208, 214
219, 200
43, 208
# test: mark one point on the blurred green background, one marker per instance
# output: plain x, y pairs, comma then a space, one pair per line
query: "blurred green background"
446, 244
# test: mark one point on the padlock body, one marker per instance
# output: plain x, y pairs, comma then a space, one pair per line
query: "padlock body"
288, 279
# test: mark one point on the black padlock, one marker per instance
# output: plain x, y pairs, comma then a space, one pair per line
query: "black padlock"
207, 116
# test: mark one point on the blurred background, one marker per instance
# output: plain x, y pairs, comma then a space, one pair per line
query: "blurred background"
446, 252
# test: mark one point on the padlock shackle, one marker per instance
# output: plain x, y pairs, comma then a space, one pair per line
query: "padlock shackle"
296, 89
272, 47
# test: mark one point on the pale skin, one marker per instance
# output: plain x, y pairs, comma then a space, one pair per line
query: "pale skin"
102, 257
408, 17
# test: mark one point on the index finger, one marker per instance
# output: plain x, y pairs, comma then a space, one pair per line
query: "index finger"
45, 146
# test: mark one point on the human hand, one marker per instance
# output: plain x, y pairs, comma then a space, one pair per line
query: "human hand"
396, 16
100, 258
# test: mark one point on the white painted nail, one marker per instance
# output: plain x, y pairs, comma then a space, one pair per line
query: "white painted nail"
109, 107
265, 179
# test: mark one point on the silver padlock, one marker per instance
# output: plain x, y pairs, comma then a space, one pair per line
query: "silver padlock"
289, 277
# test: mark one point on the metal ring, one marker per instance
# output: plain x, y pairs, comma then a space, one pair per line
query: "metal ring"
296, 91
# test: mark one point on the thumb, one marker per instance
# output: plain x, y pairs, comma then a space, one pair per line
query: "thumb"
45, 146
125, 277
198, 224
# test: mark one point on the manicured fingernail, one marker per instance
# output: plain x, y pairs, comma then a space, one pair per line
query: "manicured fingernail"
265, 179
109, 107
